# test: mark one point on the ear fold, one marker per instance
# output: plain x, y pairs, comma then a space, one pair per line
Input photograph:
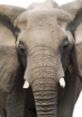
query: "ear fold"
10, 11
75, 9
9, 64
72, 8
21, 21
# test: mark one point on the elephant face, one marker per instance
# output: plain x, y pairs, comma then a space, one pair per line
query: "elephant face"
44, 38
44, 47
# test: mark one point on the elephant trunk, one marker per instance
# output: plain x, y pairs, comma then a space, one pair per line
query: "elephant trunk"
45, 95
43, 74
44, 86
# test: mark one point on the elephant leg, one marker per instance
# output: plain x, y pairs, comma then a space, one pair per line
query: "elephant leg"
68, 96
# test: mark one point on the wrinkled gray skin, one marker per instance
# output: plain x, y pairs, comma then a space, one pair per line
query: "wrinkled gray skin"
12, 96
7, 57
47, 46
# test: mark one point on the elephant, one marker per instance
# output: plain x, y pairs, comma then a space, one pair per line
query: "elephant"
48, 49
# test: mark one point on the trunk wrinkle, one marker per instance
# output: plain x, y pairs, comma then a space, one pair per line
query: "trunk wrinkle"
46, 101
41, 48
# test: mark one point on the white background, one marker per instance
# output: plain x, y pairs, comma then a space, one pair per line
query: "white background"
25, 3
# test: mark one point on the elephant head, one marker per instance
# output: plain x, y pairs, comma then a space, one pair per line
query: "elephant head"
46, 45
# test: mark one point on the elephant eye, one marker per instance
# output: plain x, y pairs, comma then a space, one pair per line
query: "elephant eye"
22, 53
65, 44
21, 48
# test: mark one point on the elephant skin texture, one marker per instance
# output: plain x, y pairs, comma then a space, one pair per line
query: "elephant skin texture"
47, 57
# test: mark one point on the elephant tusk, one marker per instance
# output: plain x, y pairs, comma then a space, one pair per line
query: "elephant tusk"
62, 82
26, 84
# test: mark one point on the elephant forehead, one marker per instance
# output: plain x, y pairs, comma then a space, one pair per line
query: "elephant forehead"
43, 36
6, 36
42, 17
41, 28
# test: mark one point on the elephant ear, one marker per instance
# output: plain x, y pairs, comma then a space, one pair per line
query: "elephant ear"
72, 8
9, 63
10, 11
75, 9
